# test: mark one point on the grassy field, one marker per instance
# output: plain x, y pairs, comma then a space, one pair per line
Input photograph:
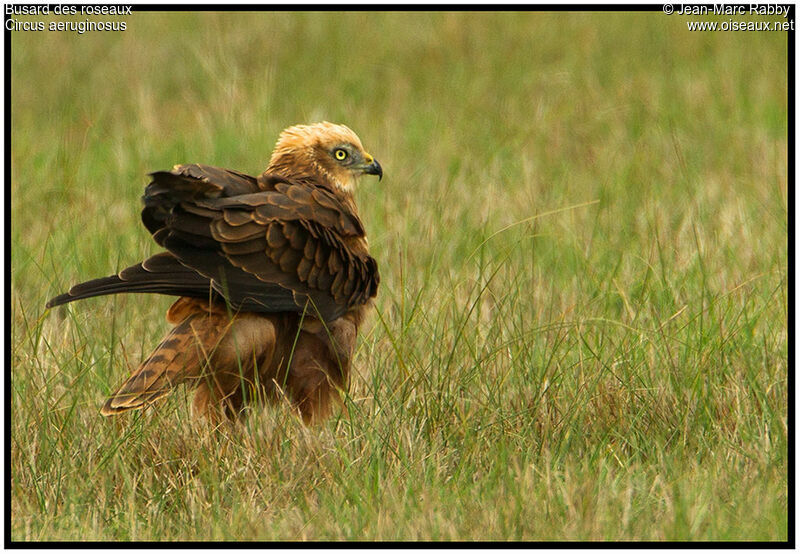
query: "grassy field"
581, 331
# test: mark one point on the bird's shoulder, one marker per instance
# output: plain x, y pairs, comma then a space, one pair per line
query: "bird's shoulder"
208, 180
269, 196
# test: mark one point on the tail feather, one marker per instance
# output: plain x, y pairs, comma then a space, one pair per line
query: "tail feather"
208, 347
180, 357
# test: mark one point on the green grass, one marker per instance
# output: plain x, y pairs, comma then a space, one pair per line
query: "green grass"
581, 331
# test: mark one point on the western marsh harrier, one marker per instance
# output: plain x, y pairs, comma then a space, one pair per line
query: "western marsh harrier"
273, 273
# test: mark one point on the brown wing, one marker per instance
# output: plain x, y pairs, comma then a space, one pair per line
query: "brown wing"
291, 247
190, 182
163, 273
266, 245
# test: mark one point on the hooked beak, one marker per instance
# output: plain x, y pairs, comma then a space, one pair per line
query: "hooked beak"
373, 168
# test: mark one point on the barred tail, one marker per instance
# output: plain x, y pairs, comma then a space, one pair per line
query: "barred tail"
178, 358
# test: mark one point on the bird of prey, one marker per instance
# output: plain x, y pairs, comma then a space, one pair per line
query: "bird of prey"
273, 273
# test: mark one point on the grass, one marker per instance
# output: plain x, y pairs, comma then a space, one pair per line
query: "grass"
581, 331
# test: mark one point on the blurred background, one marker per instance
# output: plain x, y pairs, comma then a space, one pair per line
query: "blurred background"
581, 232
481, 120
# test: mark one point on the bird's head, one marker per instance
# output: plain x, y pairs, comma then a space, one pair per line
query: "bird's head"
330, 152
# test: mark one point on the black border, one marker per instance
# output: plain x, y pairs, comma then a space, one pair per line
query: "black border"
140, 7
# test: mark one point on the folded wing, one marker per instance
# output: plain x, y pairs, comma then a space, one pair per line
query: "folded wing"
265, 245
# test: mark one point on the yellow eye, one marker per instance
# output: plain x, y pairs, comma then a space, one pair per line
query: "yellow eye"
340, 154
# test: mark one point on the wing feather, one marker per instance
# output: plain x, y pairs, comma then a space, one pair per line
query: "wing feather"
268, 244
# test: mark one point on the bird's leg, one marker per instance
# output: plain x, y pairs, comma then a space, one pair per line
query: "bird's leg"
308, 383
320, 366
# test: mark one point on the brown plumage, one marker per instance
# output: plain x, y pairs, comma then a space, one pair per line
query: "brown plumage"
273, 273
